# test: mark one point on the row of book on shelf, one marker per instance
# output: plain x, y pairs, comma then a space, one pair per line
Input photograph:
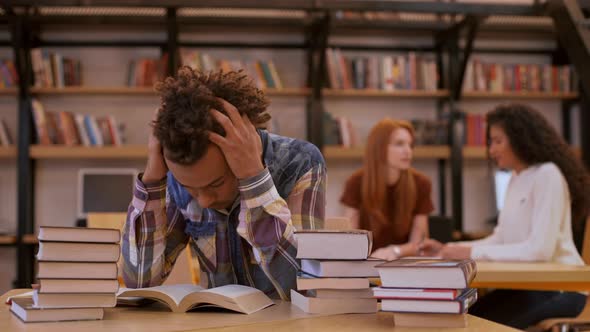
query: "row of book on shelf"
52, 69
75, 129
420, 292
496, 77
340, 131
264, 73
409, 71
389, 72
8, 74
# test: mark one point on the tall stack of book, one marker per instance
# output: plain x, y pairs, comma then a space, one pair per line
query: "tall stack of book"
334, 272
427, 292
77, 275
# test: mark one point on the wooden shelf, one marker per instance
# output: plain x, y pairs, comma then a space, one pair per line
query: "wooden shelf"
7, 152
383, 93
83, 152
420, 152
30, 239
7, 239
480, 152
88, 90
8, 91
520, 95
286, 92
475, 152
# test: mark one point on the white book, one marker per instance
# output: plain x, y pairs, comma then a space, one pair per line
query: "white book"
313, 305
24, 309
78, 252
341, 268
84, 300
304, 283
78, 285
79, 234
76, 270
79, 118
333, 244
366, 293
456, 306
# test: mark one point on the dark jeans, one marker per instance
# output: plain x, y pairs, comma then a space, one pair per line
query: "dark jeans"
521, 309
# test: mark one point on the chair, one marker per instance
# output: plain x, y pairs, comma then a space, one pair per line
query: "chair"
564, 324
440, 228
186, 268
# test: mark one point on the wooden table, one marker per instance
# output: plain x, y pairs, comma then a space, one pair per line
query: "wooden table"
532, 276
280, 317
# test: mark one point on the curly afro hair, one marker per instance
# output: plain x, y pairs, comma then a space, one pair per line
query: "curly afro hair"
534, 140
184, 120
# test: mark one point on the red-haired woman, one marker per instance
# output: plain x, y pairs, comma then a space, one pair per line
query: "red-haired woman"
387, 196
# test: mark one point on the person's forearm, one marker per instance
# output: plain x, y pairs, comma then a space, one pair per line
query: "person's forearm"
146, 233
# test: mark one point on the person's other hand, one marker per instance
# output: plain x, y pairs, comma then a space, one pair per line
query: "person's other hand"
451, 251
385, 253
430, 247
241, 145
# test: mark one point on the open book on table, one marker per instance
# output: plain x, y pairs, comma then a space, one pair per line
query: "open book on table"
184, 297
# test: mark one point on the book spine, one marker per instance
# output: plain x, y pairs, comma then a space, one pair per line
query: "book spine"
469, 269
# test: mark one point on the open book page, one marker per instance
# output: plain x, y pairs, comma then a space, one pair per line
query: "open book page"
238, 298
171, 295
184, 297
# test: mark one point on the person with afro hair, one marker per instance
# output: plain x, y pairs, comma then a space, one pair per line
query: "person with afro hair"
215, 179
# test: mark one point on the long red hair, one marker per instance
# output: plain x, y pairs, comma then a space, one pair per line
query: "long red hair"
375, 170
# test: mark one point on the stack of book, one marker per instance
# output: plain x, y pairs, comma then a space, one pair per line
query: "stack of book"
334, 272
77, 275
426, 292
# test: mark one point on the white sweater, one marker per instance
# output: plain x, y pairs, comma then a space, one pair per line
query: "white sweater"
535, 222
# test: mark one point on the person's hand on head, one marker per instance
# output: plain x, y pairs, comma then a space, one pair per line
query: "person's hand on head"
430, 247
156, 168
241, 145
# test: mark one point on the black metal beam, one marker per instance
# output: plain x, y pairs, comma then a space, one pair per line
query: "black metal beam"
172, 41
160, 21
566, 120
472, 25
317, 38
271, 45
456, 133
584, 132
574, 38
25, 165
441, 163
101, 43
432, 7
251, 4
375, 5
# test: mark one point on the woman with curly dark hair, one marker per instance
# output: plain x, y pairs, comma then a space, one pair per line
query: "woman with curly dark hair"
548, 190
215, 180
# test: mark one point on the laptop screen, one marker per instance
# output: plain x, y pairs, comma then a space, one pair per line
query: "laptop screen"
105, 190
501, 180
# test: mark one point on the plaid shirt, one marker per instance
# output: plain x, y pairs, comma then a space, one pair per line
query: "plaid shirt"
252, 244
